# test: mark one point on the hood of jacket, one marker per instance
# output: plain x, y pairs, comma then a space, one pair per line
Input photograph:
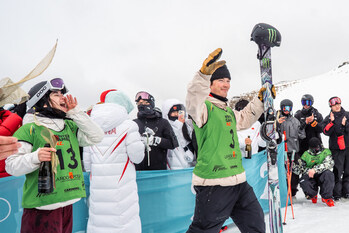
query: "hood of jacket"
109, 115
167, 105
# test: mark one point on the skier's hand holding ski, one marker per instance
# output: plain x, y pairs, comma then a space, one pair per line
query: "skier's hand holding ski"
263, 89
211, 63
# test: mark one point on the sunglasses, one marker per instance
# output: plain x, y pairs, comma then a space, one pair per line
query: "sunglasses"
287, 108
55, 84
334, 101
307, 102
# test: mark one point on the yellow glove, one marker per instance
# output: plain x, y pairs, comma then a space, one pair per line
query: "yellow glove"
260, 92
211, 64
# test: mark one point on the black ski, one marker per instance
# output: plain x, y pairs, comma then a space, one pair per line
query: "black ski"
266, 37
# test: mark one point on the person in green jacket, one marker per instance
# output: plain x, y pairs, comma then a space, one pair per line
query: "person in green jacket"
315, 166
59, 120
219, 178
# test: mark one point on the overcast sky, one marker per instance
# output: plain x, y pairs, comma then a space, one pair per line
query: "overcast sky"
158, 45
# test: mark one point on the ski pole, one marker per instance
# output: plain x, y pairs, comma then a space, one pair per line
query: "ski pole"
148, 155
289, 191
287, 164
292, 162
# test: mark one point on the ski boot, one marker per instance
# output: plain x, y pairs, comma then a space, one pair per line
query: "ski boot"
328, 201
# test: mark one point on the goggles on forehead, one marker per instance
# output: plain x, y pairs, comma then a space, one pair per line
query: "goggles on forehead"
335, 100
287, 108
55, 84
142, 95
307, 102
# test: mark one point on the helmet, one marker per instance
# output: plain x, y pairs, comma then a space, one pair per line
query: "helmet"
307, 99
315, 145
286, 102
266, 34
39, 92
286, 105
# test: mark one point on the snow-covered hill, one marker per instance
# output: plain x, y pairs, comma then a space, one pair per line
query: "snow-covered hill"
322, 87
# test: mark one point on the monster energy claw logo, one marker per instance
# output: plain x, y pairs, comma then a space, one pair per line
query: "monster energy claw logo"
272, 34
266, 62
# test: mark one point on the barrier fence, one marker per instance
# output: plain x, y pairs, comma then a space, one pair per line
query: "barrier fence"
166, 198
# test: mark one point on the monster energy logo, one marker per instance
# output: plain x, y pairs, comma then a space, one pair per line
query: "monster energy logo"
266, 62
272, 34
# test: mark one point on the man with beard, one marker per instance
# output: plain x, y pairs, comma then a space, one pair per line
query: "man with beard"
157, 133
336, 127
310, 120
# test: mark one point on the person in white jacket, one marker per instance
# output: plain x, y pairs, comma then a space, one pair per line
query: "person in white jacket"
46, 209
113, 201
182, 156
251, 135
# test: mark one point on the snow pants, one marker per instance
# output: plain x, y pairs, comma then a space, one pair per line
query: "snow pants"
215, 204
341, 172
325, 181
54, 221
295, 177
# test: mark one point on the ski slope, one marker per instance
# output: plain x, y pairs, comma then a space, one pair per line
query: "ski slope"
309, 217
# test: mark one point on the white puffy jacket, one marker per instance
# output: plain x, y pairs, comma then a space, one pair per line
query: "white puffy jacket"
180, 157
113, 201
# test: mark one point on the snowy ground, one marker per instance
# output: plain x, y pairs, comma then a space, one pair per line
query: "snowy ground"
312, 218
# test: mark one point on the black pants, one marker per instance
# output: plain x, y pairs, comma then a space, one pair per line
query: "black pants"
295, 177
215, 204
325, 181
341, 172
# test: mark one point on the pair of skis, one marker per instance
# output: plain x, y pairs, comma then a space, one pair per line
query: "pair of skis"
266, 37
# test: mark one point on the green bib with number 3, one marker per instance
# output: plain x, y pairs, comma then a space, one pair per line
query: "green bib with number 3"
69, 178
219, 152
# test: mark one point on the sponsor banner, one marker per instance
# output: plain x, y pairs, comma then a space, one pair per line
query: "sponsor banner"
166, 198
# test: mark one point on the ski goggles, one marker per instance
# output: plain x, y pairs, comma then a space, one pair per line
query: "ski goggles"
51, 85
307, 102
287, 108
334, 100
142, 95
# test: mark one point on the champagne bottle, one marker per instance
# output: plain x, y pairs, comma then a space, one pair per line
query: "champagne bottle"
248, 150
45, 179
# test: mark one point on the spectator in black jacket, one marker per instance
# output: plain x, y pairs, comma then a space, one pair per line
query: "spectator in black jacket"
310, 120
336, 127
157, 133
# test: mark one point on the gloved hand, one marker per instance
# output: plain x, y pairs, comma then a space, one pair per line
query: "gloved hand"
211, 64
148, 131
150, 140
263, 89
145, 141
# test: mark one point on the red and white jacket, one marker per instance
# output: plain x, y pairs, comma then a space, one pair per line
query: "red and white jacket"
9, 123
113, 201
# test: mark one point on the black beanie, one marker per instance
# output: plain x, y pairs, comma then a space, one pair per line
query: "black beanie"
314, 142
221, 72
